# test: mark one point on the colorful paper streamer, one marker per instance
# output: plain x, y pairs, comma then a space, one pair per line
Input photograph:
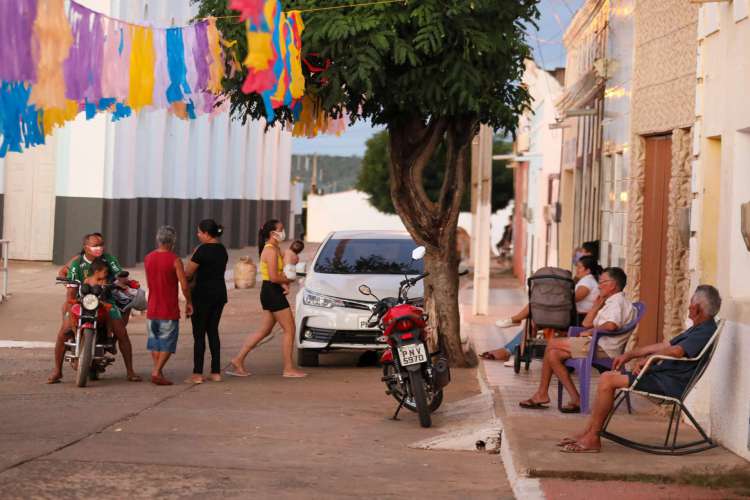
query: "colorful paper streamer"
56, 63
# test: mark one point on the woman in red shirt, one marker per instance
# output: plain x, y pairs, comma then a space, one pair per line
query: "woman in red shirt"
164, 270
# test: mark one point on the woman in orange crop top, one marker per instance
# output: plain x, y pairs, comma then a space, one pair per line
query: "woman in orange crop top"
276, 308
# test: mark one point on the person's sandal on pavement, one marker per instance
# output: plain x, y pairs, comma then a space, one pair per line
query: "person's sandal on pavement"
578, 448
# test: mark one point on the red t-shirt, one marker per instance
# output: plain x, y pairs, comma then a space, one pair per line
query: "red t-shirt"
162, 286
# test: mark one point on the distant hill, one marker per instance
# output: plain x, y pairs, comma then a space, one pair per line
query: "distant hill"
335, 173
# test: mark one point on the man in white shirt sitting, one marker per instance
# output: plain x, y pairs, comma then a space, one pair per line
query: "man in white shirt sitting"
610, 312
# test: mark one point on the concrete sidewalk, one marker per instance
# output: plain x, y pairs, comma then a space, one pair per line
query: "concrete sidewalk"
529, 436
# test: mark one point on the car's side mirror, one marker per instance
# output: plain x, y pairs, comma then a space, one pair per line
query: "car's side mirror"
418, 253
301, 269
365, 290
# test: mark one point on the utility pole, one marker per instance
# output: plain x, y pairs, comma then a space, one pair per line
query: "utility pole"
481, 203
314, 181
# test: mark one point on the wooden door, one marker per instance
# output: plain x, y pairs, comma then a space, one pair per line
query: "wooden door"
654, 244
29, 220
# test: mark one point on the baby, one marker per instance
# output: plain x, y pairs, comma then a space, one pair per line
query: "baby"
291, 258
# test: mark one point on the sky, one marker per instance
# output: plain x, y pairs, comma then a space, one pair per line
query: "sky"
548, 53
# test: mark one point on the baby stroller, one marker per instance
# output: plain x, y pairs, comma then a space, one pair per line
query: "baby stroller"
552, 307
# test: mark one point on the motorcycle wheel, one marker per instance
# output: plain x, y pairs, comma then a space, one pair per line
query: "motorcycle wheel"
397, 392
420, 398
84, 361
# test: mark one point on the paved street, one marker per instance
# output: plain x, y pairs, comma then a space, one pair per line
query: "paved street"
325, 436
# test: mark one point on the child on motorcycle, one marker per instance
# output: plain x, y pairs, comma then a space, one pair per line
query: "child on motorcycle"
77, 269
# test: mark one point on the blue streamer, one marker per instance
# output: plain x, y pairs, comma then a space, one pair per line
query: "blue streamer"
121, 111
90, 109
20, 123
176, 66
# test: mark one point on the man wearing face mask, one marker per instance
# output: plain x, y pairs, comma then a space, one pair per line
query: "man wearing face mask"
77, 269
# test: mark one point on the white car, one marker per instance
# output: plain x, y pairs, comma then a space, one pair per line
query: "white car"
330, 312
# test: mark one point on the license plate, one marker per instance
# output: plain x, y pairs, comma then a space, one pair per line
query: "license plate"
363, 323
412, 354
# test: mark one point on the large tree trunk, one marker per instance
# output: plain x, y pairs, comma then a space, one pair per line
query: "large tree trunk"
433, 223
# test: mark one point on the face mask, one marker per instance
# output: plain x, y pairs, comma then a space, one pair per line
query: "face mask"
96, 251
280, 235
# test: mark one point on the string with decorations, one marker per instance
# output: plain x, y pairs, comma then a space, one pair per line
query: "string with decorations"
58, 62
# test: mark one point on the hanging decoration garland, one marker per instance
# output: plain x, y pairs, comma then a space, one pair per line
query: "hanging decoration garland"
55, 64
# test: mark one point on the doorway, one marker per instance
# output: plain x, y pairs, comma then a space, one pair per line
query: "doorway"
654, 243
29, 213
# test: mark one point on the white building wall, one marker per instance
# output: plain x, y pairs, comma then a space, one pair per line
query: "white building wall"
351, 210
723, 121
544, 157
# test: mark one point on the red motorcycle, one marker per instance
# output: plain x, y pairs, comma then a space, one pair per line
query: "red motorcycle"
414, 376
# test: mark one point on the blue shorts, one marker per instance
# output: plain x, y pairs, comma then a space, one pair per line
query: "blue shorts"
162, 335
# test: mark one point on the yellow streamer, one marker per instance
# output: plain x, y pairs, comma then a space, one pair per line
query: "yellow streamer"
297, 85
142, 60
54, 38
57, 117
216, 69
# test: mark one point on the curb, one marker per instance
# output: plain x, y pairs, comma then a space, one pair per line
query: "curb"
523, 486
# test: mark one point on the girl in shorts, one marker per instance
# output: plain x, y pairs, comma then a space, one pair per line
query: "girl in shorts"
273, 299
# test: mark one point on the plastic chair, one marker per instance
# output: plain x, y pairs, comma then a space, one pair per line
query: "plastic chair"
584, 365
678, 403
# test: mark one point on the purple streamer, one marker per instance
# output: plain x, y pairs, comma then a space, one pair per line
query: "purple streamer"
16, 26
83, 68
201, 54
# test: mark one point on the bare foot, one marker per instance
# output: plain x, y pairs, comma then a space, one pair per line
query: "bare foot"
215, 377
55, 378
294, 374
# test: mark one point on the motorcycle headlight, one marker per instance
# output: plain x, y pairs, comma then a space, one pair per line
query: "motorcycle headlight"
90, 302
318, 300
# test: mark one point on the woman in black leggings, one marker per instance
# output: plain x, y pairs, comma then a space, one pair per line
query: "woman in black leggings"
208, 264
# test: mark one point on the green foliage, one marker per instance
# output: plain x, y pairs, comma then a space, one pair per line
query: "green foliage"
426, 58
374, 178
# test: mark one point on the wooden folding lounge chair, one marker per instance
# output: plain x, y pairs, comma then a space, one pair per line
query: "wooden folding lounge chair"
670, 446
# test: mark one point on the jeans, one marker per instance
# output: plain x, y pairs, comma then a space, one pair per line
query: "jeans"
205, 319
515, 342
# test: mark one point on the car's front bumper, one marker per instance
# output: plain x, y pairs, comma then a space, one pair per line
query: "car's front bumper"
334, 328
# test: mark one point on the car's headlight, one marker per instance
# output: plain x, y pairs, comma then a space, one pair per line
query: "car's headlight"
90, 302
318, 300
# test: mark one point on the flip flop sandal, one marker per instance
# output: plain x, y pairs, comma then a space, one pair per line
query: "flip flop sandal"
533, 405
231, 370
487, 355
566, 442
57, 380
571, 409
577, 448
294, 376
135, 378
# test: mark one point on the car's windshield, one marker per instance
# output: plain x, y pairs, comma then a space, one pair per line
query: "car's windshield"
368, 256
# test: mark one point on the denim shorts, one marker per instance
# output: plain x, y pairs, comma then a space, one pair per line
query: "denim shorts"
162, 335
